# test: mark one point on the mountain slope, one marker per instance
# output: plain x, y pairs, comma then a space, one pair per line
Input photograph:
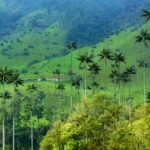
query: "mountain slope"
86, 21
124, 41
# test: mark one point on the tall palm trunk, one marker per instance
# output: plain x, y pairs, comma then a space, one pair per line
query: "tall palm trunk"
13, 130
129, 101
31, 125
3, 122
55, 82
85, 82
105, 74
93, 86
3, 130
122, 98
71, 83
119, 92
129, 90
31, 119
13, 148
144, 84
115, 89
71, 95
59, 104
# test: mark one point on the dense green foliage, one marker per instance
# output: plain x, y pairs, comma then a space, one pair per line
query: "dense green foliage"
54, 77
101, 124
14, 107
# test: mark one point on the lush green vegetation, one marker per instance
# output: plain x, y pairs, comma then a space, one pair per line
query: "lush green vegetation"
106, 123
101, 124
53, 77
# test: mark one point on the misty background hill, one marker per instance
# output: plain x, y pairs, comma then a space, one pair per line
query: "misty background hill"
86, 21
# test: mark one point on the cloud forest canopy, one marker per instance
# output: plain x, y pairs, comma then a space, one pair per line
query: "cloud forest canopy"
91, 20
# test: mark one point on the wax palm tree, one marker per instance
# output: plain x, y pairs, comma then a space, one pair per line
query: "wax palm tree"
16, 81
70, 47
57, 73
71, 74
105, 55
130, 71
94, 69
31, 88
143, 37
124, 79
119, 58
60, 89
127, 76
5, 96
146, 14
84, 60
5, 76
113, 76
76, 82
142, 64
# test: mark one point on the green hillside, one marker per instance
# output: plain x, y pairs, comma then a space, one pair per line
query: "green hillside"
37, 59
74, 75
29, 47
124, 41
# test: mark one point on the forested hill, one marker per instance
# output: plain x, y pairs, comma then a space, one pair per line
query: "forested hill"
79, 68
87, 20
